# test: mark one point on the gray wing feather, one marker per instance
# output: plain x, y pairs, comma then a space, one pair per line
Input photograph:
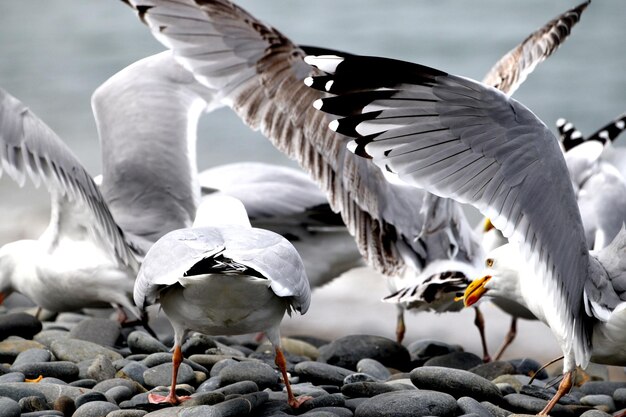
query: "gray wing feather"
146, 116
513, 68
474, 144
29, 146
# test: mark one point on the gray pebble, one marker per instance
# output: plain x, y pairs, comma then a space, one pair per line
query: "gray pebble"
34, 403
165, 357
74, 350
260, 373
101, 368
619, 396
104, 386
353, 403
19, 390
19, 324
547, 394
492, 370
84, 383
529, 367
12, 347
243, 387
89, 397
495, 410
319, 413
46, 337
470, 406
602, 387
599, 400
321, 373
366, 389
456, 360
44, 413
52, 380
95, 409
595, 413
64, 370
408, 404
197, 344
141, 342
210, 384
204, 398
32, 355
359, 377
521, 403
12, 377
119, 394
127, 413
334, 412
347, 351
162, 375
100, 331
505, 388
331, 400
222, 349
374, 368
9, 407
218, 366
65, 405
426, 349
456, 382
228, 408
134, 371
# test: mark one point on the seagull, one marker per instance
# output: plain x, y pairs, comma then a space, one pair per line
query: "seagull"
461, 139
286, 201
227, 278
254, 66
90, 252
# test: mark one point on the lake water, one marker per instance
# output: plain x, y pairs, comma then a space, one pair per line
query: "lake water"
54, 53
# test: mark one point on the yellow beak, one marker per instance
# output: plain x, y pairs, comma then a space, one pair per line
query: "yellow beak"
475, 290
488, 225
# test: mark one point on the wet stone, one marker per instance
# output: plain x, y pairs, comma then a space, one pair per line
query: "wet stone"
101, 369
63, 370
74, 350
321, 373
457, 382
141, 342
95, 409
408, 404
100, 331
32, 355
162, 375
492, 370
374, 368
258, 372
11, 348
366, 389
347, 351
19, 324
456, 360
529, 367
9, 407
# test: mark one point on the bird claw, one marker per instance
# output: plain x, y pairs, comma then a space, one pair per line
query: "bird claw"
160, 399
297, 402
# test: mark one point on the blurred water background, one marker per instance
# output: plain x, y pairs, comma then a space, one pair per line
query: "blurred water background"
54, 53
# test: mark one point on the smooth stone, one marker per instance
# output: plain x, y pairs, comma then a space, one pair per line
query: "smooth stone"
603, 400
426, 349
374, 368
210, 384
44, 413
34, 403
366, 389
547, 394
127, 413
52, 380
619, 396
208, 361
165, 412
12, 377
408, 404
134, 371
229, 408
9, 407
50, 391
456, 360
319, 413
159, 358
63, 370
11, 348
306, 388
260, 373
65, 405
403, 383
495, 410
46, 337
510, 380
299, 347
84, 383
95, 409
492, 370
505, 388
595, 413
18, 390
273, 408
331, 400
602, 387
321, 373
332, 412
19, 324
359, 377
74, 350
457, 382
347, 351
141, 342
162, 375
529, 367
521, 403
197, 344
470, 406
217, 368
104, 386
222, 349
243, 387
70, 317
353, 403
204, 398
32, 355
101, 369
100, 331
119, 394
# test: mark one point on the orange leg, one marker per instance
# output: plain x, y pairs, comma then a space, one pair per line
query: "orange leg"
172, 398
510, 336
479, 322
400, 326
564, 387
282, 365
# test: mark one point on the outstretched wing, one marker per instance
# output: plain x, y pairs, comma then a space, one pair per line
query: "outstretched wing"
29, 147
460, 139
513, 68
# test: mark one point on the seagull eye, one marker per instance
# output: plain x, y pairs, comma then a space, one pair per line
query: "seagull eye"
489, 262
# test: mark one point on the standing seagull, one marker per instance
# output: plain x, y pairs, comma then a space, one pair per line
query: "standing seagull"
464, 140
224, 280
259, 72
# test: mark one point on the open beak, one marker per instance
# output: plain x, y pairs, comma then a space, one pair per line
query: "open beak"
475, 290
488, 225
